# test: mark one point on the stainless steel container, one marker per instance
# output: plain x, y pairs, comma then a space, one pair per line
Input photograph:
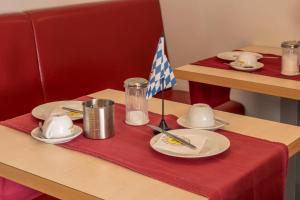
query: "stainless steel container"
98, 118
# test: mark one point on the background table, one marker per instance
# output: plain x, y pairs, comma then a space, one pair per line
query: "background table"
69, 174
288, 90
241, 80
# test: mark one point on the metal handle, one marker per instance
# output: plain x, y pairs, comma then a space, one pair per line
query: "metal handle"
72, 110
182, 141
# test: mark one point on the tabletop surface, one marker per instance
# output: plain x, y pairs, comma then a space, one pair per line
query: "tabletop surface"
242, 80
68, 174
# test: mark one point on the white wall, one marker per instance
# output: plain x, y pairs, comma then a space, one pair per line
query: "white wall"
7, 6
197, 29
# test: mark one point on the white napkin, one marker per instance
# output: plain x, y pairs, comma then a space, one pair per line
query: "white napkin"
166, 143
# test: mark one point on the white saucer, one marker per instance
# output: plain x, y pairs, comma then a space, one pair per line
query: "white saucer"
238, 66
133, 124
215, 143
182, 121
36, 134
290, 74
233, 55
42, 111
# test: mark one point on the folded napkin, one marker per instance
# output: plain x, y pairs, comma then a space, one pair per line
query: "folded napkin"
166, 143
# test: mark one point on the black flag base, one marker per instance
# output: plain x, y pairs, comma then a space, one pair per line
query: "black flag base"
163, 125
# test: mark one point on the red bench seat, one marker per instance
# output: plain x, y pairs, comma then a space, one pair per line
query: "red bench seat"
62, 53
87, 48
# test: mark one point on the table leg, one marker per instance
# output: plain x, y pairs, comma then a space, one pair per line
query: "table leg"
290, 114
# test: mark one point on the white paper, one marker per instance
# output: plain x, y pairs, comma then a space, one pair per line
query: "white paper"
166, 143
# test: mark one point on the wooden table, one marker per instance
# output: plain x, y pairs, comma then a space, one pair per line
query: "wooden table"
288, 90
241, 80
69, 174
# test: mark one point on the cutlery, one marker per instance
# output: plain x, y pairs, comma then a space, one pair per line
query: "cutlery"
222, 121
246, 66
271, 57
182, 141
71, 109
41, 127
41, 130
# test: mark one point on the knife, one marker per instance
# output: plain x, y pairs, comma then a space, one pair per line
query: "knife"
222, 121
182, 141
72, 110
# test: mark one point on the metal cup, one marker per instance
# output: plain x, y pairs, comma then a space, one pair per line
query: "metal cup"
98, 118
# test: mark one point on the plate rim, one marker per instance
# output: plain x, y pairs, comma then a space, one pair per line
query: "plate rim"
132, 124
190, 156
232, 64
59, 140
34, 110
259, 56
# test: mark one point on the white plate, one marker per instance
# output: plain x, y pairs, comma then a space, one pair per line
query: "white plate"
232, 55
42, 111
238, 66
214, 145
182, 121
36, 134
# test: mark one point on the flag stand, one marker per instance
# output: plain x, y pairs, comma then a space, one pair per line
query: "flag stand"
160, 71
163, 124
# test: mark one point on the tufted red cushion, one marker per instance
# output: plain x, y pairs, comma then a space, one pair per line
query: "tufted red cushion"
232, 106
215, 96
184, 97
45, 197
10, 190
87, 48
209, 94
176, 95
20, 84
67, 52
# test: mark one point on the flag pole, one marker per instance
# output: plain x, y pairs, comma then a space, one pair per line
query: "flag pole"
163, 124
163, 100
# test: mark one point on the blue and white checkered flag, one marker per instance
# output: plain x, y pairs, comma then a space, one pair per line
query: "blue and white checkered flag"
161, 71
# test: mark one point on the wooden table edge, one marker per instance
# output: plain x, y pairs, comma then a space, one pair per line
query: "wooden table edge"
42, 184
247, 85
294, 148
215, 76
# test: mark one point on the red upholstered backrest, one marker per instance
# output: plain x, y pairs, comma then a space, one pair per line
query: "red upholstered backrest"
209, 94
20, 84
87, 48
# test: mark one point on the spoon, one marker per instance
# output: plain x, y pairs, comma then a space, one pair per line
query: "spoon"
41, 127
41, 130
248, 66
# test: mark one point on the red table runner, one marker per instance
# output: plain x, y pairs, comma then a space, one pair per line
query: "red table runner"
272, 66
251, 169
